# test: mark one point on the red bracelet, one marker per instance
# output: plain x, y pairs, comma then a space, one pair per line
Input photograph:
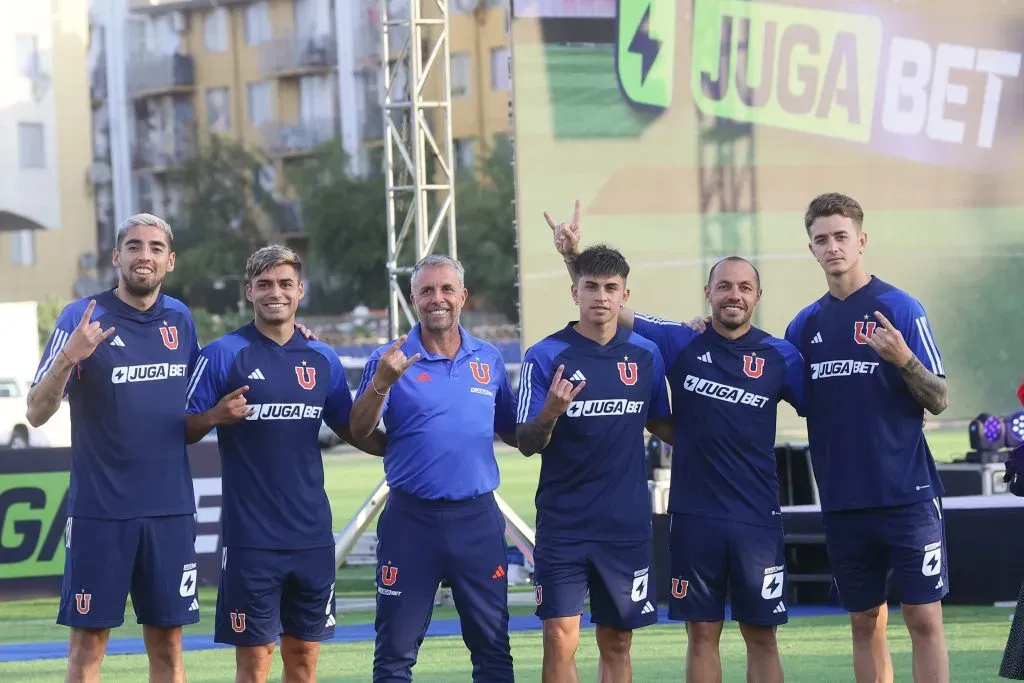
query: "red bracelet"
78, 368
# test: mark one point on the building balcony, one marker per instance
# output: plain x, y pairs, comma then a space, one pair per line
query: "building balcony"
161, 6
98, 82
162, 155
161, 76
293, 139
291, 57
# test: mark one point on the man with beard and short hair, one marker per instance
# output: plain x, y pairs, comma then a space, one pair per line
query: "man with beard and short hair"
123, 359
726, 534
443, 395
267, 389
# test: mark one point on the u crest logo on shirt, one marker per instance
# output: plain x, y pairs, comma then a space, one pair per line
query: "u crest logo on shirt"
753, 366
481, 372
82, 602
862, 331
628, 373
170, 337
306, 377
388, 575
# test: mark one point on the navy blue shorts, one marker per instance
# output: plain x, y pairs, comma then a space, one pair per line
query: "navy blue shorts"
863, 545
266, 593
153, 558
617, 574
712, 559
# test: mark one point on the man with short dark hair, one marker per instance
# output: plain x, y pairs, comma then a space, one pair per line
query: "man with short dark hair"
879, 488
266, 389
586, 394
443, 395
726, 535
123, 358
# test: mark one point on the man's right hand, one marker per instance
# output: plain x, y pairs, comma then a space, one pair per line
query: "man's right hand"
231, 408
392, 364
560, 394
567, 235
699, 323
86, 336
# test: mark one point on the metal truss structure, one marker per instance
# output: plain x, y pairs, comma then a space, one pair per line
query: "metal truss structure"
420, 190
420, 172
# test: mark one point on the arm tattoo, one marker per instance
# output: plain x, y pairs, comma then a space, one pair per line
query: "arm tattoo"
928, 389
534, 435
43, 399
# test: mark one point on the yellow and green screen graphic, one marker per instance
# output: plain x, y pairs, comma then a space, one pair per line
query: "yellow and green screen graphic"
695, 130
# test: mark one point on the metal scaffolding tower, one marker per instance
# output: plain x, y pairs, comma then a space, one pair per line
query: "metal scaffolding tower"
420, 173
420, 192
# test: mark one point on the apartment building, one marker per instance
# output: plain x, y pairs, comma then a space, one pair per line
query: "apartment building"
280, 76
46, 228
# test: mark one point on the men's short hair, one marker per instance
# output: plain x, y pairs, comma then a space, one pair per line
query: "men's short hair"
271, 256
601, 261
833, 204
435, 260
734, 259
143, 219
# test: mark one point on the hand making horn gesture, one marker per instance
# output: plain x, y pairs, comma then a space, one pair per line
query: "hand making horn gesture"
86, 337
561, 393
888, 342
392, 365
566, 235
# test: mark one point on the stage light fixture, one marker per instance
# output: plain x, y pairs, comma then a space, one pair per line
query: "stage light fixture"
1014, 429
987, 433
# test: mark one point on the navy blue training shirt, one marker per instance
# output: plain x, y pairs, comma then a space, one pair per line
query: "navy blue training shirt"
441, 417
272, 468
593, 472
128, 456
864, 426
725, 396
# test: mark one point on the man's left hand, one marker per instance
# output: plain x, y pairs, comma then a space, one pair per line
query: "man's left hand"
888, 343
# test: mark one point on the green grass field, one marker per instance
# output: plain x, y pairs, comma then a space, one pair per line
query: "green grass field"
815, 649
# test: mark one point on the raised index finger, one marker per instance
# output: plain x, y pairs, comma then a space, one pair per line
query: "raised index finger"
558, 376
576, 214
885, 321
88, 313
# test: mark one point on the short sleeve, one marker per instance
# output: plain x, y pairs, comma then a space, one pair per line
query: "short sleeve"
338, 405
207, 383
67, 321
670, 337
660, 408
794, 384
533, 385
194, 348
918, 333
504, 403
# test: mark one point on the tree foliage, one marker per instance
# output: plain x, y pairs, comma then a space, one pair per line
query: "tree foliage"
216, 226
347, 226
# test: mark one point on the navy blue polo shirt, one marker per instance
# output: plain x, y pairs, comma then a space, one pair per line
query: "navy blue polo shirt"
441, 417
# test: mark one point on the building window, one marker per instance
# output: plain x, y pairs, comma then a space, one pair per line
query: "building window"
463, 155
218, 110
27, 57
31, 152
23, 248
215, 30
499, 68
257, 23
260, 103
460, 74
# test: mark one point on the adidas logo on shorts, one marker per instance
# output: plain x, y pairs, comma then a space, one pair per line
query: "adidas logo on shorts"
648, 608
330, 621
779, 608
194, 606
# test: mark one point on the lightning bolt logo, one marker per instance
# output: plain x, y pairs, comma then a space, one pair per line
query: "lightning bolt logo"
645, 46
645, 49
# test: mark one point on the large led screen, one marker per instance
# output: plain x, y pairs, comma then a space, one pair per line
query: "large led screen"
696, 129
